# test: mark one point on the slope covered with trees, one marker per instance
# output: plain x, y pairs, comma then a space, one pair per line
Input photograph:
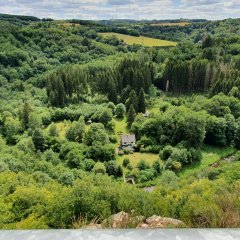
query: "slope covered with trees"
67, 95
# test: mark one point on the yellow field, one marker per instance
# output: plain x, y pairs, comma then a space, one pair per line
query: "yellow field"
180, 24
145, 41
68, 24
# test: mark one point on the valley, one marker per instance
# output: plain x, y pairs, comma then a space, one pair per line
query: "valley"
93, 113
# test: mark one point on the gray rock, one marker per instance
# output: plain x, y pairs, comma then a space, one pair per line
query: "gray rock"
160, 222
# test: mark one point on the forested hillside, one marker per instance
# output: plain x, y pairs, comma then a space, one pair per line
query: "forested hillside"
68, 94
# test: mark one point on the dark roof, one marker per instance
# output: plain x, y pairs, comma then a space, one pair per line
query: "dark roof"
129, 138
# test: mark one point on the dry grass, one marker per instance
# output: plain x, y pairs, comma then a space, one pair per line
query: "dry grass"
145, 41
82, 222
170, 24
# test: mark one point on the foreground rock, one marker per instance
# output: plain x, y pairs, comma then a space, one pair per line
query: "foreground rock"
122, 220
161, 222
125, 220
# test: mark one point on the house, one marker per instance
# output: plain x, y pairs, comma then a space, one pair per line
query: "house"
146, 114
128, 141
89, 122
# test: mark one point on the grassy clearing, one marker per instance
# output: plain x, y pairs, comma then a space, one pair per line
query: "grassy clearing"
61, 127
121, 125
170, 24
68, 24
145, 41
135, 158
210, 156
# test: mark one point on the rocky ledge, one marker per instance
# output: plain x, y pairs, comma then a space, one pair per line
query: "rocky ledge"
126, 220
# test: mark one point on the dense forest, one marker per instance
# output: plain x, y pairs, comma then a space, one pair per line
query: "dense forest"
68, 94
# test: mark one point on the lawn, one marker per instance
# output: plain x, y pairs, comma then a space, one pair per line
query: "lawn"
135, 158
121, 125
145, 41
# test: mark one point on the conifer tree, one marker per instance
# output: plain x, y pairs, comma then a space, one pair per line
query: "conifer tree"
141, 102
38, 140
131, 115
25, 113
132, 100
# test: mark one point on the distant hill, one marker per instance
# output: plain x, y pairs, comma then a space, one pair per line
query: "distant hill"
18, 18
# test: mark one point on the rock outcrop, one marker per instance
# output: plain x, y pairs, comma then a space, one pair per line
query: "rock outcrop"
161, 222
123, 220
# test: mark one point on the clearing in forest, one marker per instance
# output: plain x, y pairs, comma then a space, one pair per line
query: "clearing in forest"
136, 157
144, 41
171, 24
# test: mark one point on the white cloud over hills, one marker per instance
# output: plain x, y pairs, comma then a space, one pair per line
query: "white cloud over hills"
131, 9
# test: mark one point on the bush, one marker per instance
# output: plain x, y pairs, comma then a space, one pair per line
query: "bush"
76, 131
212, 175
157, 167
103, 116
126, 151
111, 106
113, 169
53, 131
88, 164
120, 110
237, 156
99, 168
164, 106
145, 176
142, 165
181, 155
166, 152
169, 180
113, 139
126, 161
130, 167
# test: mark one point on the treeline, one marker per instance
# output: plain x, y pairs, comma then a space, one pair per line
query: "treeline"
188, 76
18, 18
213, 64
115, 82
227, 82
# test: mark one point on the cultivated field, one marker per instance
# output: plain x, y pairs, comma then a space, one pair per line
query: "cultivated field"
180, 24
145, 41
68, 24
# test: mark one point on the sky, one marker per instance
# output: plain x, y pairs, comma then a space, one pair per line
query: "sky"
123, 9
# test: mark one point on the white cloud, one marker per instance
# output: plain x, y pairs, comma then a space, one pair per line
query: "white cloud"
105, 9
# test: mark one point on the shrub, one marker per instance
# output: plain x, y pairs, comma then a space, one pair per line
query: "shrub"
145, 176
166, 152
142, 165
126, 161
157, 167
130, 167
99, 168
120, 110
113, 139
